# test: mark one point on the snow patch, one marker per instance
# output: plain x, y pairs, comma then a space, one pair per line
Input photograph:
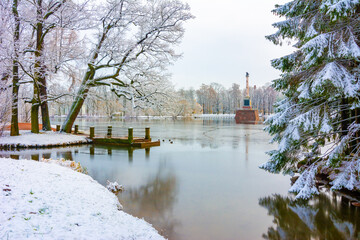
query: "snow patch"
47, 201
43, 139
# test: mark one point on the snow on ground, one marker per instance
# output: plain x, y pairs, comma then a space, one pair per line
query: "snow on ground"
28, 139
41, 200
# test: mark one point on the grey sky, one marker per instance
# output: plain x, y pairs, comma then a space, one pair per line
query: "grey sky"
226, 40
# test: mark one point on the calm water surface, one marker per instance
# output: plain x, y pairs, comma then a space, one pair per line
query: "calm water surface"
207, 184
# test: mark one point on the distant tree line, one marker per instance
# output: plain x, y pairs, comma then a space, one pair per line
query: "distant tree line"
208, 99
216, 99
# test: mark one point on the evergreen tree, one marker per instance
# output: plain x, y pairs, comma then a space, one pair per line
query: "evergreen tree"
317, 124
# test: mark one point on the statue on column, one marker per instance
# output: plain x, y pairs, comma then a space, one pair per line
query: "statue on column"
247, 101
247, 115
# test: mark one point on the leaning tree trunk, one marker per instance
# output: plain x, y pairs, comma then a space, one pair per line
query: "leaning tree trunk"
14, 131
84, 88
78, 102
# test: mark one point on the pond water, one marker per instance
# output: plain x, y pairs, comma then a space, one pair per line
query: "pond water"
205, 183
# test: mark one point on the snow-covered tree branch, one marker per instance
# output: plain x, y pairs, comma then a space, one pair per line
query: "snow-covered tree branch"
135, 42
316, 124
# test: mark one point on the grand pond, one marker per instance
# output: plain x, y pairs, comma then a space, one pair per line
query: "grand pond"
203, 182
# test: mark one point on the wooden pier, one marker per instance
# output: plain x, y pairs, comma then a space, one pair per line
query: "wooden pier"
129, 141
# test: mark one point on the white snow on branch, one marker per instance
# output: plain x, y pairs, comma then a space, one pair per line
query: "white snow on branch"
339, 77
315, 48
304, 90
336, 8
290, 134
305, 184
311, 32
347, 177
325, 124
308, 120
349, 49
282, 116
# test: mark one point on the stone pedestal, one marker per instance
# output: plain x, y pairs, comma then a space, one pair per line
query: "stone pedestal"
248, 116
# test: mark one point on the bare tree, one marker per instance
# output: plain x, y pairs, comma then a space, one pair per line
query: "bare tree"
134, 42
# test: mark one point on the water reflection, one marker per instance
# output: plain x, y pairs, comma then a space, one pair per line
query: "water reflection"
203, 178
131, 154
327, 216
35, 157
154, 201
16, 157
69, 153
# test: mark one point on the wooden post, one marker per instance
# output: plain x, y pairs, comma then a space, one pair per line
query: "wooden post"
147, 133
92, 132
57, 128
130, 135
76, 131
109, 132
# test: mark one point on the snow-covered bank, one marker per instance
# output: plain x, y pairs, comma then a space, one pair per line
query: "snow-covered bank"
46, 201
43, 139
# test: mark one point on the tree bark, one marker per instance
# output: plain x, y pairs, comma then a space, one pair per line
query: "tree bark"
14, 130
78, 102
40, 68
35, 111
44, 105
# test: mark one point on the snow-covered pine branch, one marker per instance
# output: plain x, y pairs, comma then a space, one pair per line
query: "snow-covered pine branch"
316, 124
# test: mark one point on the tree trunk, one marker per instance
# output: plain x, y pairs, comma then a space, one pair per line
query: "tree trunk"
14, 131
44, 105
78, 103
84, 88
40, 68
35, 112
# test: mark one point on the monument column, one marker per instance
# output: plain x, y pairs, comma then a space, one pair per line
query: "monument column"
247, 101
247, 114
247, 85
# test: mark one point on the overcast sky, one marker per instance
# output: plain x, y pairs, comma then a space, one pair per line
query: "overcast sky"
226, 40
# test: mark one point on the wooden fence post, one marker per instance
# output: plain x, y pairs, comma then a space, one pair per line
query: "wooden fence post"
92, 132
147, 133
130, 135
76, 131
58, 128
109, 132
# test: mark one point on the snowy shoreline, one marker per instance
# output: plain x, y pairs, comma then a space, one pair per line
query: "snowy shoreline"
43, 200
43, 139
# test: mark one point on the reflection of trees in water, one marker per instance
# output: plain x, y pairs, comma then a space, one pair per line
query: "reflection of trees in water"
154, 202
327, 216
